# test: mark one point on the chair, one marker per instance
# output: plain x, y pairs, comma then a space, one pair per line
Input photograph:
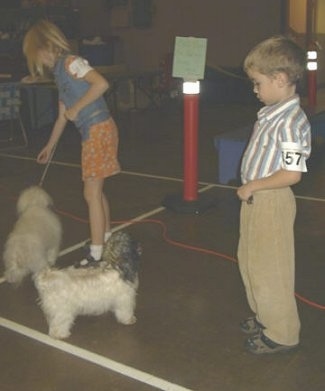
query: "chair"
10, 103
167, 87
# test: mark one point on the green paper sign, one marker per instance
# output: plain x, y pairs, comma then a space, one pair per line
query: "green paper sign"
189, 58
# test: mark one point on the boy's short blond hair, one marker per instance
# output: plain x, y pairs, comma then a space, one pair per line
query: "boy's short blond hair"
43, 35
277, 54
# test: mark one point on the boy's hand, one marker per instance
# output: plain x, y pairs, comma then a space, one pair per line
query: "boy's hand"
244, 193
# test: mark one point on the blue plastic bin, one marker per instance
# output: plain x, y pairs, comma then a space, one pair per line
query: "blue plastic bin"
230, 148
317, 123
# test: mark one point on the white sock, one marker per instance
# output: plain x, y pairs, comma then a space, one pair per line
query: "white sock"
107, 235
96, 251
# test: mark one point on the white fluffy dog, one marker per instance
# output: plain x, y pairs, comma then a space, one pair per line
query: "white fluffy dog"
66, 293
35, 240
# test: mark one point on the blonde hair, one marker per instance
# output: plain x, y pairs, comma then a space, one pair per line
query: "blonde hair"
277, 54
43, 35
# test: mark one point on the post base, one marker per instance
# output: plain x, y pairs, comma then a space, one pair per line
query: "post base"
176, 203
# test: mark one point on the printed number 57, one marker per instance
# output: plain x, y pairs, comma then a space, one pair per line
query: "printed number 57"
292, 158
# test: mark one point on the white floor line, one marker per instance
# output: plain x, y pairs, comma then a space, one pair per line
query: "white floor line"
206, 188
306, 198
94, 358
70, 249
75, 165
152, 176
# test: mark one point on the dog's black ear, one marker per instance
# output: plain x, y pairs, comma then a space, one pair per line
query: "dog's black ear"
128, 264
138, 248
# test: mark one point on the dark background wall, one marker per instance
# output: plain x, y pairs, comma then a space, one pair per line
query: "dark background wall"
139, 33
231, 26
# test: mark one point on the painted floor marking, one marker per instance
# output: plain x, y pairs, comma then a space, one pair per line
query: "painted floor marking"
94, 358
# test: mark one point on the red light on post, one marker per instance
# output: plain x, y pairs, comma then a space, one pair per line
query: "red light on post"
312, 78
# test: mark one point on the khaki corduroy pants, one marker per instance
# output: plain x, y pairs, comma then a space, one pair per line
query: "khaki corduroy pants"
267, 262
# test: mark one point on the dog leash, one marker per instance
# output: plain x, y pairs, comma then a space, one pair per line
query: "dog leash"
47, 166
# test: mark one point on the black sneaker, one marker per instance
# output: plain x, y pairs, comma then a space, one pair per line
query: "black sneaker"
251, 326
86, 262
86, 248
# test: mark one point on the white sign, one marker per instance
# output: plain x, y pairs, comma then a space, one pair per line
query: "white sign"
189, 58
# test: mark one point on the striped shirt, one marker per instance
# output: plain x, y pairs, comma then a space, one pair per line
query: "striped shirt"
281, 122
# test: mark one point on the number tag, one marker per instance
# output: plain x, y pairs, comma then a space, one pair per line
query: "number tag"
292, 157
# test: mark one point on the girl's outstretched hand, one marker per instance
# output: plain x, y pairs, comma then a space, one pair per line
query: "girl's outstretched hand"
44, 155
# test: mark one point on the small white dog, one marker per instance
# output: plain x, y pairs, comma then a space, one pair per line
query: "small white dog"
35, 240
66, 293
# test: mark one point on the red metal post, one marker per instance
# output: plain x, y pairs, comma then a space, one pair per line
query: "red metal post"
312, 89
191, 117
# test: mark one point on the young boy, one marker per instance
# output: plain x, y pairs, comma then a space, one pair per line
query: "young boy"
273, 161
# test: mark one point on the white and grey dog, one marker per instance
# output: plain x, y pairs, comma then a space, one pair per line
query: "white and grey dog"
66, 293
35, 240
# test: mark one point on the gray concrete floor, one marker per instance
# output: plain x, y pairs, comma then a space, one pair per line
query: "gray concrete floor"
190, 299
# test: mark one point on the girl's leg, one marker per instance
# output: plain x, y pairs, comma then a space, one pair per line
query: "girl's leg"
99, 222
107, 213
97, 208
99, 161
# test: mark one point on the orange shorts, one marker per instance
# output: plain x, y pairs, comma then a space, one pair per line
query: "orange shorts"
99, 151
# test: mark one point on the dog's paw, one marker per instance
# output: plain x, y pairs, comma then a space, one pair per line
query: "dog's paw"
59, 334
129, 321
14, 277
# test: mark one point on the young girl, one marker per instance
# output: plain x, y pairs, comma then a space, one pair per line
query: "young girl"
80, 90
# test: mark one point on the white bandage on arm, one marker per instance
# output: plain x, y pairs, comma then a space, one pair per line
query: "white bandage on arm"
79, 67
293, 158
